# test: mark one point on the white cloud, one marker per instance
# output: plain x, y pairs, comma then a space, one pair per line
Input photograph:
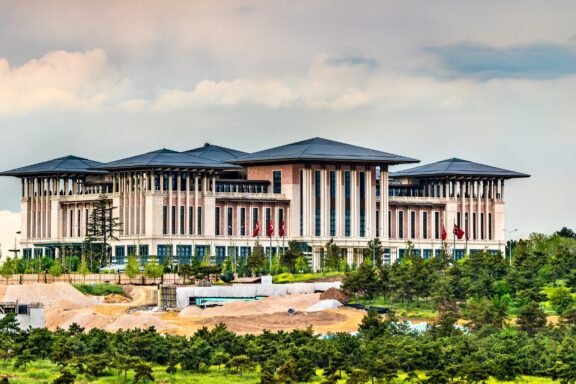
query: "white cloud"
59, 80
9, 225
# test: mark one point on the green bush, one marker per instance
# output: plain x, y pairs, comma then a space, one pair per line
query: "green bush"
99, 289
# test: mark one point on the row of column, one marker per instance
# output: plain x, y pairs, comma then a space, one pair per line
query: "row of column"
309, 203
492, 189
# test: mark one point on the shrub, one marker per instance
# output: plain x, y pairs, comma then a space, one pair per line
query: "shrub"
99, 289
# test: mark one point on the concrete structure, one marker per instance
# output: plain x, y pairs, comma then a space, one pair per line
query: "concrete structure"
210, 200
28, 315
186, 296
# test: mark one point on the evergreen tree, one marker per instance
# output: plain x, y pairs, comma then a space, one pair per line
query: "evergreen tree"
101, 227
332, 257
132, 267
375, 252
256, 261
290, 257
531, 318
227, 274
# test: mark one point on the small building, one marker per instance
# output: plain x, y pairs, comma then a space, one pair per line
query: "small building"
28, 315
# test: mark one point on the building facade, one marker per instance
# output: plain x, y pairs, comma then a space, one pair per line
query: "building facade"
218, 201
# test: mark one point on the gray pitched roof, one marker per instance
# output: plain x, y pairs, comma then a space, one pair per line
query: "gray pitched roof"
319, 149
457, 167
61, 166
165, 158
216, 152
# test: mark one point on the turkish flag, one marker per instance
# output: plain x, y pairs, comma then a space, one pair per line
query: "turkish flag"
444, 234
458, 232
256, 229
270, 230
282, 229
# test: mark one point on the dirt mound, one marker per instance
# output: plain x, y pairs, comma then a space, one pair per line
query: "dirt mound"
279, 321
56, 295
324, 305
268, 305
116, 299
334, 294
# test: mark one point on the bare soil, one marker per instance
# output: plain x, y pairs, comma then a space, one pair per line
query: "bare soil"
65, 305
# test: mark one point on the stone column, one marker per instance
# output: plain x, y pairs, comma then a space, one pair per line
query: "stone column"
195, 209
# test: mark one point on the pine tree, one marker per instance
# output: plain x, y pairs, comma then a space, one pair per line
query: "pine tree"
102, 226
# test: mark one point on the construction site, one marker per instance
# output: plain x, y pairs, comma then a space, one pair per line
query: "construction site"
182, 310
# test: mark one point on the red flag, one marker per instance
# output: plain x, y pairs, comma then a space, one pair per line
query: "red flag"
444, 234
256, 229
458, 232
270, 230
282, 229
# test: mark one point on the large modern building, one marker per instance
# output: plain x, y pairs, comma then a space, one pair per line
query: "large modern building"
220, 201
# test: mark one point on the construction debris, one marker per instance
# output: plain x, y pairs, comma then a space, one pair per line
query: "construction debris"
334, 294
324, 305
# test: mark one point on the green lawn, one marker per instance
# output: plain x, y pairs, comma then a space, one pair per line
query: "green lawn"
103, 289
45, 372
285, 278
423, 310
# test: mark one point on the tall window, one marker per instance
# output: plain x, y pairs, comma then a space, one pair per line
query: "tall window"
277, 181
183, 178
347, 203
217, 222
165, 220
424, 234
318, 185
400, 224
280, 218
389, 224
268, 220
173, 220
489, 226
413, 224
459, 219
474, 226
174, 181
156, 182
255, 217
242, 221
199, 226
377, 223
301, 203
436, 225
166, 182
482, 234
362, 204
182, 221
78, 226
466, 226
332, 203
229, 221
190, 220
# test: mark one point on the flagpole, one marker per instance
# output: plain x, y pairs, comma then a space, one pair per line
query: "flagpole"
454, 248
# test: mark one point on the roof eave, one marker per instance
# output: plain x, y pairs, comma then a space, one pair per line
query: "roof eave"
444, 174
403, 160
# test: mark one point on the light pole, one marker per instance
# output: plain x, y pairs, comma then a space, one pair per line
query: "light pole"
509, 233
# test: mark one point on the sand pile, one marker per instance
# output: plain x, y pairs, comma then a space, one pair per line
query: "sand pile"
116, 299
142, 320
57, 295
334, 294
324, 305
278, 321
268, 305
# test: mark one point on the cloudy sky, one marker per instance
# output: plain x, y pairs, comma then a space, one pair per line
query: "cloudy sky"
490, 81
